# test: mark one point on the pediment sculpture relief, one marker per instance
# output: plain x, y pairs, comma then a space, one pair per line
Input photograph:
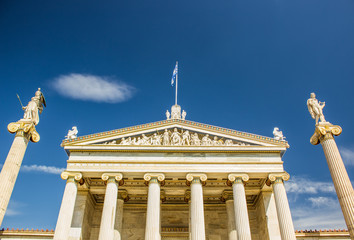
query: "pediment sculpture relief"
176, 137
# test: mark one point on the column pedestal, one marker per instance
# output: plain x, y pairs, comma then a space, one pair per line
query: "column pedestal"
281, 201
240, 205
66, 212
152, 229
197, 205
109, 206
324, 133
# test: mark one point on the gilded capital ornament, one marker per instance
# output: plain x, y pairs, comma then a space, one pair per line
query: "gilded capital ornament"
118, 177
325, 131
273, 177
72, 176
25, 129
226, 195
160, 177
196, 176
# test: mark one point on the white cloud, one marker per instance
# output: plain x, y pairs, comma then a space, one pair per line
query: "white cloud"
348, 156
14, 207
322, 201
301, 185
325, 217
92, 88
42, 168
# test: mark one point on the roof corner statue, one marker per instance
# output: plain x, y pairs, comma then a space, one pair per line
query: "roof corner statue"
34, 107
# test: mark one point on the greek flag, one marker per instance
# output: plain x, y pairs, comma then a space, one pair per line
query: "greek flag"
174, 75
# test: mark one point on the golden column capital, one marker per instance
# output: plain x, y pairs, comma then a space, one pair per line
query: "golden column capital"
160, 177
76, 175
25, 129
277, 177
115, 177
227, 195
325, 131
202, 177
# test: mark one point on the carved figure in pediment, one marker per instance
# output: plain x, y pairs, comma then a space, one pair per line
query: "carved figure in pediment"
145, 140
166, 138
186, 138
195, 140
176, 138
206, 141
138, 141
156, 139
112, 142
228, 142
217, 142
124, 142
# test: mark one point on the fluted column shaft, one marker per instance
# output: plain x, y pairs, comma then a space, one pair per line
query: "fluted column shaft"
109, 210
231, 225
197, 206
240, 206
342, 184
119, 220
152, 229
67, 208
10, 171
283, 211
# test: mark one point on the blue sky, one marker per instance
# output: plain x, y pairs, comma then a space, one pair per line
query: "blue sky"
244, 65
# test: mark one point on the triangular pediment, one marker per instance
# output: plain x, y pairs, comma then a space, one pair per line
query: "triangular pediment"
174, 133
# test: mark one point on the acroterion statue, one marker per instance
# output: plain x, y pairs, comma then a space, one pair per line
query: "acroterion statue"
324, 132
25, 130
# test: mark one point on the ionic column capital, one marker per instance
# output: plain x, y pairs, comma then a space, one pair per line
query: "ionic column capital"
325, 131
202, 176
116, 176
160, 177
277, 178
75, 176
187, 196
24, 129
226, 195
232, 177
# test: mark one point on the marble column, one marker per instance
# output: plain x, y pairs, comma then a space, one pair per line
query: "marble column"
324, 134
230, 209
241, 213
118, 223
153, 224
67, 205
25, 131
109, 205
197, 206
281, 202
187, 199
271, 215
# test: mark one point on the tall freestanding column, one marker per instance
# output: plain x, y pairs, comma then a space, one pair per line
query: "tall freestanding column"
67, 205
25, 130
152, 229
241, 214
324, 134
109, 205
281, 202
197, 205
230, 209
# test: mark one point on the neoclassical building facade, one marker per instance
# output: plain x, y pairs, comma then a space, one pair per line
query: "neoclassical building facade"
174, 179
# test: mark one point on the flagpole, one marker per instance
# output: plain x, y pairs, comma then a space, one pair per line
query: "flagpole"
176, 83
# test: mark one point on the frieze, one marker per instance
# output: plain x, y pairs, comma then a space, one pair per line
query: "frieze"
174, 137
